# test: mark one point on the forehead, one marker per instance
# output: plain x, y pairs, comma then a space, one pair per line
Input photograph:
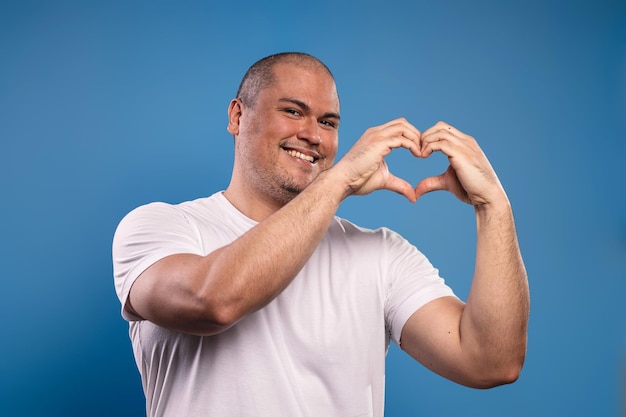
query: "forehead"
309, 83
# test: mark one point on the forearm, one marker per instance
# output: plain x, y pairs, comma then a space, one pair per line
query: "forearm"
494, 322
245, 275
207, 294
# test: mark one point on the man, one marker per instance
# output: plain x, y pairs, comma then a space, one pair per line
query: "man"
259, 301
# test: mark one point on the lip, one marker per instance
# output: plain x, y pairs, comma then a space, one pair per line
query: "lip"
315, 155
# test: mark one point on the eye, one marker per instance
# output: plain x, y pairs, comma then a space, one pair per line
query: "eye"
328, 123
292, 112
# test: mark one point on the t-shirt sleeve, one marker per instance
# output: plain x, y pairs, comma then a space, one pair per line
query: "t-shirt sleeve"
144, 236
413, 282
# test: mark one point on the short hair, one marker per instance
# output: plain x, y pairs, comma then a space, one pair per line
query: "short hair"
260, 75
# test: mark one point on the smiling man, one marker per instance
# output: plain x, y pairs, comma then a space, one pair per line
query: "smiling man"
260, 301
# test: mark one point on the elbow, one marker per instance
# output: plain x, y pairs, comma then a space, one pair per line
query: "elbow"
207, 325
503, 377
515, 369
222, 317
219, 311
216, 320
503, 374
209, 317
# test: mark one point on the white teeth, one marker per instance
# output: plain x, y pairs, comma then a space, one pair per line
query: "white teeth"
297, 154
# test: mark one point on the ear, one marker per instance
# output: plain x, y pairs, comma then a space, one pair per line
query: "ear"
234, 114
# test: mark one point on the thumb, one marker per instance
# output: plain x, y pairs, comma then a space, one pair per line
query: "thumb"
429, 184
447, 181
401, 187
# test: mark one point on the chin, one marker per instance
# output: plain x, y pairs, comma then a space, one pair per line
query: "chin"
291, 190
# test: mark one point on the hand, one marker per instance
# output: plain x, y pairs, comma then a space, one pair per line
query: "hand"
469, 177
364, 169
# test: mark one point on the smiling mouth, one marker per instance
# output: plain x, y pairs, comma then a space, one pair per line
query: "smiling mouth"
300, 155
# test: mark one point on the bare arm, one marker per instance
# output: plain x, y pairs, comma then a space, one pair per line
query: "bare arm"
206, 295
481, 343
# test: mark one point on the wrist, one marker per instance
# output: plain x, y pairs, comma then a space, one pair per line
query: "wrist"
327, 188
496, 208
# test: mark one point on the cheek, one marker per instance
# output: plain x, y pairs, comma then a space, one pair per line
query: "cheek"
330, 144
285, 128
276, 128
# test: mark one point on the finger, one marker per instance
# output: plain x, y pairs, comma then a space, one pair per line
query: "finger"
412, 131
448, 181
429, 184
401, 127
439, 133
398, 137
403, 142
444, 142
449, 141
401, 187
443, 126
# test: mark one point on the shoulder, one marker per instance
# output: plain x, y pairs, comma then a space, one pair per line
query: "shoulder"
153, 221
148, 215
156, 208
171, 212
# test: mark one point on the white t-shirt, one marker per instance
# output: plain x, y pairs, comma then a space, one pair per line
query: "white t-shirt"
318, 349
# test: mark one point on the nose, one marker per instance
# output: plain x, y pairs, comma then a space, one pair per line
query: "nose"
310, 132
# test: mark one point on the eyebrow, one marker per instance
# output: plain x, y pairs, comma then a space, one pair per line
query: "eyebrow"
306, 107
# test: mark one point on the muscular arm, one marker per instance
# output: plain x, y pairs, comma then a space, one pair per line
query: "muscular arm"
206, 295
481, 343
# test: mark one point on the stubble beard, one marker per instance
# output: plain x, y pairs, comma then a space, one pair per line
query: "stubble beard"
287, 190
276, 184
277, 187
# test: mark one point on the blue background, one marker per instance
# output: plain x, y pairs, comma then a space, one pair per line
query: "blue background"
108, 105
